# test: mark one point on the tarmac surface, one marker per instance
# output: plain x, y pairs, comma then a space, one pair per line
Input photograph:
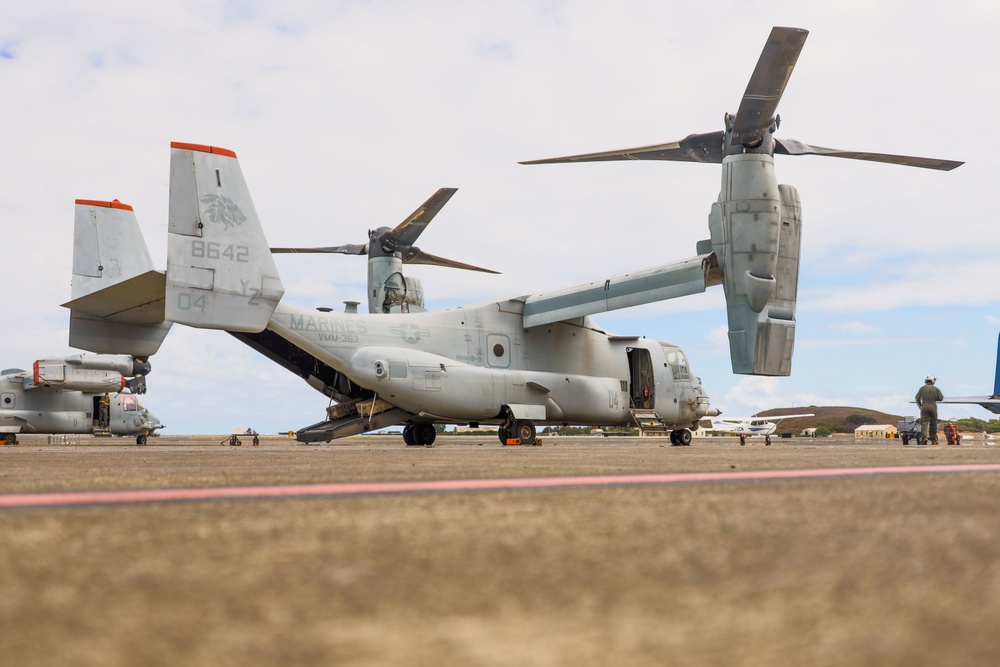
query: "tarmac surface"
865, 569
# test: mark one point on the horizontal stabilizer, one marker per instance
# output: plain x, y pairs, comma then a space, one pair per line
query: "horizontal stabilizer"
667, 281
137, 300
220, 272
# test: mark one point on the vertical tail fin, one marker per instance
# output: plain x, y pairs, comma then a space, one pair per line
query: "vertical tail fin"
220, 273
996, 380
117, 304
108, 246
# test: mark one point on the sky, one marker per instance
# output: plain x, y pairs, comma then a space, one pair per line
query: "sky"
347, 115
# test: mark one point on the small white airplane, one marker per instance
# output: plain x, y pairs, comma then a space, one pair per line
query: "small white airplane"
751, 426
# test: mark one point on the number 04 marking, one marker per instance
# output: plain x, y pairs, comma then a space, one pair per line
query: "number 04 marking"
185, 302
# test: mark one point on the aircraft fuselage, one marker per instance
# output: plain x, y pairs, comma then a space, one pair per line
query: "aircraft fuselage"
60, 411
467, 364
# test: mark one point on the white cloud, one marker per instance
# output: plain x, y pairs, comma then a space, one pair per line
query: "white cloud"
856, 326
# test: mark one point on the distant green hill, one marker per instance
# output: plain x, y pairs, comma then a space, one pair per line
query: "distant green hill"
835, 419
841, 419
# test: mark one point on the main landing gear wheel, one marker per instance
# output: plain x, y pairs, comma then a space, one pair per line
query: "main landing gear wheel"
524, 430
680, 438
9, 439
419, 435
503, 434
424, 434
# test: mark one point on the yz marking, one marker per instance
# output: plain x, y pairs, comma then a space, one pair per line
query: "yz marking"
254, 293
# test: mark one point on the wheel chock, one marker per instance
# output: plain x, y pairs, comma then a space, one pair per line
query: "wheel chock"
512, 442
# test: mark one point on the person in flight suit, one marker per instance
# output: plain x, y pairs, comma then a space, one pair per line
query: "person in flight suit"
927, 398
104, 411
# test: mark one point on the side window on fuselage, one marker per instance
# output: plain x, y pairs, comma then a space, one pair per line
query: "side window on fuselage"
678, 363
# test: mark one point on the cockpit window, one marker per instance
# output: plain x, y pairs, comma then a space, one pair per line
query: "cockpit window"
129, 403
678, 363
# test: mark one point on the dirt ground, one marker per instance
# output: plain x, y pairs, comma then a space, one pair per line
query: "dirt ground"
875, 570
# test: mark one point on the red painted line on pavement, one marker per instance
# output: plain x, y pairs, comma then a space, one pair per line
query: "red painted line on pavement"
78, 498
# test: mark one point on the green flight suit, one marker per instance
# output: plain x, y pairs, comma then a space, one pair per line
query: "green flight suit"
927, 398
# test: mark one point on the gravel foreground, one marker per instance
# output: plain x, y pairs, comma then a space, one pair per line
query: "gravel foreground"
877, 570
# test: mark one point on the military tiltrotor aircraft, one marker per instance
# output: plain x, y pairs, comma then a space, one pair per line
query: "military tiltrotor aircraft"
519, 361
389, 291
62, 396
514, 362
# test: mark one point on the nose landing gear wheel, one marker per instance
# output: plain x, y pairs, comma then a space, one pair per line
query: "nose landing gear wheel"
680, 438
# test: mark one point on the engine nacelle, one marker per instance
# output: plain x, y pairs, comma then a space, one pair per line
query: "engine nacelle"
391, 291
414, 293
756, 236
92, 373
57, 374
123, 363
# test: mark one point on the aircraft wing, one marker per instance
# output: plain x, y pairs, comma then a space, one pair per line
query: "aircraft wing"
780, 417
991, 403
659, 283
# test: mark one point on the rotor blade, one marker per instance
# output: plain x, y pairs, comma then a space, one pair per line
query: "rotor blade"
692, 148
405, 234
767, 83
349, 249
421, 257
793, 147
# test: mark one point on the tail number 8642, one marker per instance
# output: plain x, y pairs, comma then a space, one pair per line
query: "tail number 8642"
214, 250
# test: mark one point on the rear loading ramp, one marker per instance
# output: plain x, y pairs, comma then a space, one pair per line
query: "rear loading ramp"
355, 417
